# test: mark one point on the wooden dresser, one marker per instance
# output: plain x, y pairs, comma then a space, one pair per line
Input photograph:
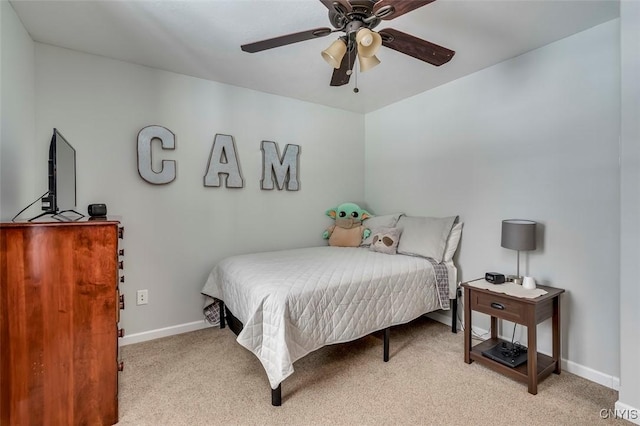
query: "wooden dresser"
59, 312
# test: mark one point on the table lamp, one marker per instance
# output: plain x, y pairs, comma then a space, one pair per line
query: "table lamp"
518, 234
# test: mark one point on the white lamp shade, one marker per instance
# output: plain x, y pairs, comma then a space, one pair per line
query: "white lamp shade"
367, 63
334, 53
368, 42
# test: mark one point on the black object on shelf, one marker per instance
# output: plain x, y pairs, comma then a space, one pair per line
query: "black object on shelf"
509, 354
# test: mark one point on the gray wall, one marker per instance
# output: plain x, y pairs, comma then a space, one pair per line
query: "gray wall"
17, 109
175, 233
629, 396
535, 137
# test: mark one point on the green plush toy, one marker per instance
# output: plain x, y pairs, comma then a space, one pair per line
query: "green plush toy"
348, 230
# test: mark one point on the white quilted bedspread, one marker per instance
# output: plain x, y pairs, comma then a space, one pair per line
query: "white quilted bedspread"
293, 302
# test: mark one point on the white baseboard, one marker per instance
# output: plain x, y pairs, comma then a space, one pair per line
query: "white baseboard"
591, 374
568, 366
443, 317
163, 332
624, 411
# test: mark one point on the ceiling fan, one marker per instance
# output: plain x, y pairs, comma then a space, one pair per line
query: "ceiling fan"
356, 19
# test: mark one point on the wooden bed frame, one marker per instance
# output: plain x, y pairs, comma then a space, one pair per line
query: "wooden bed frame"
226, 316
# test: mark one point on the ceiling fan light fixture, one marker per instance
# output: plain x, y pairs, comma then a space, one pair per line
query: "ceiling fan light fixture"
368, 42
333, 54
364, 37
367, 62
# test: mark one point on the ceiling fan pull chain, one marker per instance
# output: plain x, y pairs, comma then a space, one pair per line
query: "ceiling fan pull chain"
349, 50
355, 89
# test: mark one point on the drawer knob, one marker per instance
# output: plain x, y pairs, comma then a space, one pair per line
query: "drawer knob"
121, 232
120, 366
121, 302
121, 252
122, 279
121, 332
497, 305
121, 265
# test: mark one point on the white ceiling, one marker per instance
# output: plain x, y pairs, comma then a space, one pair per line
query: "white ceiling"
203, 38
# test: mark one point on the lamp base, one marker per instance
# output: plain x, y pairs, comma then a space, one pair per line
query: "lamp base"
515, 279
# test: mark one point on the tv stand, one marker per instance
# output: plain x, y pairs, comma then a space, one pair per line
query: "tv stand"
57, 215
80, 215
47, 213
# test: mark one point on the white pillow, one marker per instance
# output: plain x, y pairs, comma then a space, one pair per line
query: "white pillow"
452, 242
375, 222
424, 236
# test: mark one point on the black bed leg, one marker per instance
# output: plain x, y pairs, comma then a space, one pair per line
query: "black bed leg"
385, 356
276, 396
454, 314
223, 323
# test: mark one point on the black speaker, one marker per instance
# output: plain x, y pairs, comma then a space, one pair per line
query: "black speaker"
494, 278
97, 210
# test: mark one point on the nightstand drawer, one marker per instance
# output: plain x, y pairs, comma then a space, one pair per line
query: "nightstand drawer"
498, 306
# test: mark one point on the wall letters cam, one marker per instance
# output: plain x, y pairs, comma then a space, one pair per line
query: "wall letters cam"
223, 166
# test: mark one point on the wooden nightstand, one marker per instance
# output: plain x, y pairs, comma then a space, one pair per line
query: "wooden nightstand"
527, 312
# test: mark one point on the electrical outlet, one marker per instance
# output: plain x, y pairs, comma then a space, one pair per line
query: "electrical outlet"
142, 297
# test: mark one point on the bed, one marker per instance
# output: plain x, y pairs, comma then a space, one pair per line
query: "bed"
285, 304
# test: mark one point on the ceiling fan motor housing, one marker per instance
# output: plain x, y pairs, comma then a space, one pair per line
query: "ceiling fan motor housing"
361, 12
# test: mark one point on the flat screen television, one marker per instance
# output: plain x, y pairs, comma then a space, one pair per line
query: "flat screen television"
61, 195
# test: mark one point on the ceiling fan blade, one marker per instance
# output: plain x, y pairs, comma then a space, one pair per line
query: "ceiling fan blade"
340, 76
416, 47
285, 39
343, 5
400, 7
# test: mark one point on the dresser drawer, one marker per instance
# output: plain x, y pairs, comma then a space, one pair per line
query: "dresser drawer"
498, 306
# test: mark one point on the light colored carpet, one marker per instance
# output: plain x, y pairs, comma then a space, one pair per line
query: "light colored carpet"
206, 378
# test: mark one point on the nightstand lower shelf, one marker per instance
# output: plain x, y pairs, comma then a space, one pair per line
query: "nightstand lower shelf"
546, 364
